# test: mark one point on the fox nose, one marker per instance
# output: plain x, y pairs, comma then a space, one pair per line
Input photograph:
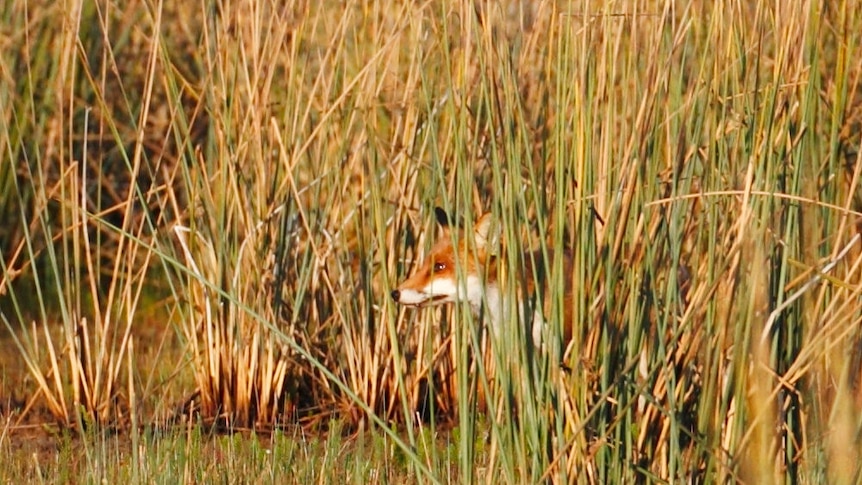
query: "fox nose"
395, 295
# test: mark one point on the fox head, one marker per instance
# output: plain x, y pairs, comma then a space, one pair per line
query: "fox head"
437, 280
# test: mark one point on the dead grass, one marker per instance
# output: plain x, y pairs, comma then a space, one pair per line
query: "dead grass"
209, 204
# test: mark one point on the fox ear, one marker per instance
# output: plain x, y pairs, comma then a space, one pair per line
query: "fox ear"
442, 217
487, 232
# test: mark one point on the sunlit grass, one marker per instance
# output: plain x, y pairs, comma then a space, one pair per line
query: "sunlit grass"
264, 174
193, 454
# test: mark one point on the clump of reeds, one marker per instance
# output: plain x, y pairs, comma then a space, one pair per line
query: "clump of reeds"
698, 159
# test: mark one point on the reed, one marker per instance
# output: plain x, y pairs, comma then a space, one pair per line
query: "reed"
269, 171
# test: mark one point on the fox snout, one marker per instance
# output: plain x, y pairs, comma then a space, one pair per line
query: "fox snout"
424, 293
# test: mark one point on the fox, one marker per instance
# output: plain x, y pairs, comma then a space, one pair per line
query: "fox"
470, 272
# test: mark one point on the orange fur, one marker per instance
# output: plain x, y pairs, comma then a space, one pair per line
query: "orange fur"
437, 280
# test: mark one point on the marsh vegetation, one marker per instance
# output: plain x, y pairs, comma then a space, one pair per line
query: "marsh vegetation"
206, 206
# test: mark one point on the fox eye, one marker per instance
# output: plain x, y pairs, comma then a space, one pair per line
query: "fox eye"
438, 267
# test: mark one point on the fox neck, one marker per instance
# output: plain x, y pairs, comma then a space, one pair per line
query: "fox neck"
486, 300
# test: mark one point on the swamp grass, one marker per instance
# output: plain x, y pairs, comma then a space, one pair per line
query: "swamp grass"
251, 180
